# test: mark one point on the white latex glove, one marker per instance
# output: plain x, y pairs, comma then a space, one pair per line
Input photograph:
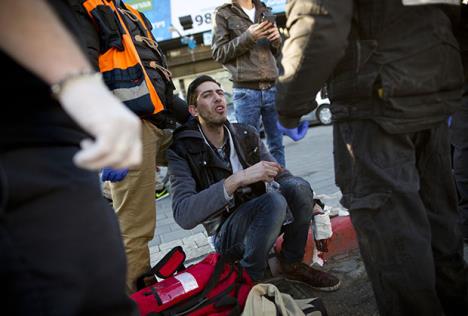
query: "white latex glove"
116, 129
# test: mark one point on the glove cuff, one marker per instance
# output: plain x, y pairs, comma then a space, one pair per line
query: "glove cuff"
58, 88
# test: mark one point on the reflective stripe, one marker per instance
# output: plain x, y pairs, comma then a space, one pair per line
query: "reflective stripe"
128, 94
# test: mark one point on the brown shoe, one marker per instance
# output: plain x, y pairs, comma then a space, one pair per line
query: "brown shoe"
319, 280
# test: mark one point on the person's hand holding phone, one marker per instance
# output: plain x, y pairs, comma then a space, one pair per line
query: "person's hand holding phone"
269, 17
274, 35
260, 30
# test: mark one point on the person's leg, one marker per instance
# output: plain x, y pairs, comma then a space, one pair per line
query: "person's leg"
254, 226
133, 200
460, 166
439, 197
270, 118
247, 106
379, 179
459, 140
300, 198
63, 236
161, 182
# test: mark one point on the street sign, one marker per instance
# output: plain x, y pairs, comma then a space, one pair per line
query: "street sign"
164, 13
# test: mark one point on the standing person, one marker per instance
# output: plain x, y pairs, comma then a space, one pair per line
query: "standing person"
399, 77
223, 177
124, 32
60, 246
246, 41
459, 128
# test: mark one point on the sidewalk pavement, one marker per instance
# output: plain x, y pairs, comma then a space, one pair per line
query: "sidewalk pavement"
311, 158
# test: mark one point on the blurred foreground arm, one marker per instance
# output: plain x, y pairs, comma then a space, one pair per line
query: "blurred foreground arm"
36, 39
318, 32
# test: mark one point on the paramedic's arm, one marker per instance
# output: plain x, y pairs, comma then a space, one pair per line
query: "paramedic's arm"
33, 35
38, 40
317, 40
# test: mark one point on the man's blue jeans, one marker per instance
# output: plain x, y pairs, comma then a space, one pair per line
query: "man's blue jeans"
249, 105
256, 224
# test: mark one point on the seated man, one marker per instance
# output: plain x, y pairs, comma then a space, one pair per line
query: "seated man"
224, 178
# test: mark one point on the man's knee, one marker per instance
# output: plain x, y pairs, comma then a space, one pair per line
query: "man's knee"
297, 187
276, 206
300, 198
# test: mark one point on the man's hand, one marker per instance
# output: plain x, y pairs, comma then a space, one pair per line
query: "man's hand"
296, 133
261, 171
261, 30
274, 36
113, 175
116, 130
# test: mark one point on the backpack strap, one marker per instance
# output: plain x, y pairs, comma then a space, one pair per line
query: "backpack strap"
171, 263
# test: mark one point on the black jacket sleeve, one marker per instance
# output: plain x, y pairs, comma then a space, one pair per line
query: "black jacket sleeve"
318, 32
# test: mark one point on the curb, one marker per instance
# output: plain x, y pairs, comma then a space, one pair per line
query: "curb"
343, 240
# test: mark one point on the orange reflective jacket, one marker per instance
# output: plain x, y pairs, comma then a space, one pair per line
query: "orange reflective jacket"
119, 62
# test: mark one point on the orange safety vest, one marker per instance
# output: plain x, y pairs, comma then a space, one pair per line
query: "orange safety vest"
123, 70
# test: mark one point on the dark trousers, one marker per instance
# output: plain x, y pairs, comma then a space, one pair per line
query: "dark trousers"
459, 139
256, 224
401, 197
60, 247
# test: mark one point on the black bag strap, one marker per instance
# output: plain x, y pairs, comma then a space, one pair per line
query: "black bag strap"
156, 270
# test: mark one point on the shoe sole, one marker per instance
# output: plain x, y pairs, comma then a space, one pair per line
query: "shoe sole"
322, 289
162, 197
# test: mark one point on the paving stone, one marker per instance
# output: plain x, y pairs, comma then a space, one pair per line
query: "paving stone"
198, 252
165, 221
161, 214
347, 266
357, 273
339, 257
175, 235
175, 227
156, 241
200, 239
169, 245
155, 259
192, 240
163, 229
154, 250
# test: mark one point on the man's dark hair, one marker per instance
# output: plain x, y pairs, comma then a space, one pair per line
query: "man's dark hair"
191, 95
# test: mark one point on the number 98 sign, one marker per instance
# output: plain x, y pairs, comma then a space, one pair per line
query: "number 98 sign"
201, 19
202, 13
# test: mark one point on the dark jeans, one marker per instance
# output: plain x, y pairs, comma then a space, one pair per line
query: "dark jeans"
60, 247
256, 224
401, 197
459, 139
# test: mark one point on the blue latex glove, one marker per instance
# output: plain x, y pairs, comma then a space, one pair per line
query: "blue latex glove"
295, 134
113, 175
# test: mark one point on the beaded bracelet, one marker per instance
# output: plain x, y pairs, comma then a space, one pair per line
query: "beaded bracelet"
58, 87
